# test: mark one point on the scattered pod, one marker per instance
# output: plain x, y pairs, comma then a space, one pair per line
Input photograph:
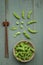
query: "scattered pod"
31, 22
29, 14
21, 26
13, 28
32, 31
22, 22
17, 23
16, 15
16, 34
26, 35
23, 14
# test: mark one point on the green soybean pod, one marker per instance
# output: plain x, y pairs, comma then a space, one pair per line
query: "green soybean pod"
18, 33
28, 16
17, 23
31, 22
23, 14
21, 26
32, 31
19, 49
22, 22
21, 44
16, 54
22, 58
26, 35
14, 35
21, 54
30, 12
32, 49
30, 54
26, 57
13, 28
16, 15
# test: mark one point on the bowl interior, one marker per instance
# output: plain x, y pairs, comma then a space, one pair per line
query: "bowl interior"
28, 43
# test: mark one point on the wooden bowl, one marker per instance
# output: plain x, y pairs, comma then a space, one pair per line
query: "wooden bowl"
19, 58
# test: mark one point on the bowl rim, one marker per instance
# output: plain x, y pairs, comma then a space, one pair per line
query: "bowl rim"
29, 58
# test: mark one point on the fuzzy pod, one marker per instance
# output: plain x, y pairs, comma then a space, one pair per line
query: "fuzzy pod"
22, 22
32, 31
23, 14
13, 28
31, 22
32, 49
29, 14
26, 35
15, 35
16, 15
19, 49
18, 33
21, 26
17, 23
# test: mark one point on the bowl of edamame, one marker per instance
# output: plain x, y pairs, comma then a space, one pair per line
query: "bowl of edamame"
24, 51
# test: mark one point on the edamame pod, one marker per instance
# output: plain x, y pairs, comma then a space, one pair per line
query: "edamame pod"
26, 35
14, 35
17, 23
22, 22
18, 33
21, 26
32, 31
17, 16
31, 22
13, 28
17, 54
21, 44
29, 14
32, 49
23, 14
19, 49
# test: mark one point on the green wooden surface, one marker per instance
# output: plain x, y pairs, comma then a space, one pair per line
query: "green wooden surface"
36, 39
